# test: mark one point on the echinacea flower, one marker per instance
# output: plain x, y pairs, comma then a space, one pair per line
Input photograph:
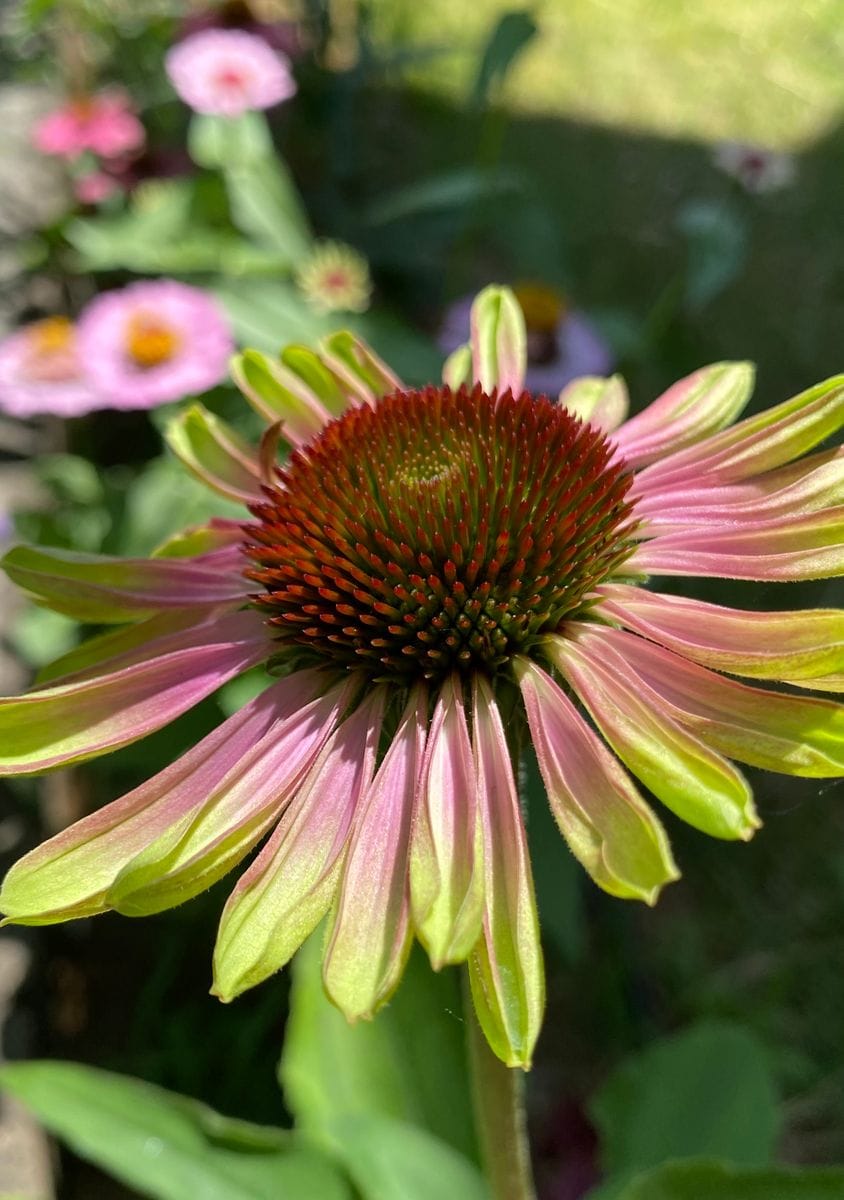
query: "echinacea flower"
153, 341
335, 278
227, 72
562, 343
756, 168
432, 577
41, 372
103, 124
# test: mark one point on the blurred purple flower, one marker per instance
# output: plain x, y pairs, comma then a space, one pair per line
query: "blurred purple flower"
562, 343
226, 72
154, 341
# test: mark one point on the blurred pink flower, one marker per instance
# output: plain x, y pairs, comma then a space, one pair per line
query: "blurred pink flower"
41, 372
154, 341
95, 187
226, 72
103, 124
562, 343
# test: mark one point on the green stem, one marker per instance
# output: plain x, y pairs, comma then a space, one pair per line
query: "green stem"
498, 1099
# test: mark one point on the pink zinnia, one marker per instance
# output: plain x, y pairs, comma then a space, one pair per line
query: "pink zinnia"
103, 124
431, 579
226, 72
41, 372
154, 341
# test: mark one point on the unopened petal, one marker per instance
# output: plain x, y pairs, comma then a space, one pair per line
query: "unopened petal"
287, 891
605, 821
505, 968
279, 394
362, 374
215, 453
499, 341
371, 934
603, 402
446, 862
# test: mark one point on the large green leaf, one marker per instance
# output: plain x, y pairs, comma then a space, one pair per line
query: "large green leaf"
702, 1180
168, 1146
408, 1063
391, 1160
267, 208
705, 1091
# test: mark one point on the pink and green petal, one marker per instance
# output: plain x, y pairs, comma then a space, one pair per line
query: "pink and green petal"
215, 453
693, 409
189, 856
608, 826
69, 876
362, 374
198, 540
279, 394
105, 590
446, 859
499, 341
69, 723
794, 735
601, 402
805, 648
307, 365
505, 968
757, 444
697, 784
371, 933
457, 368
784, 548
289, 888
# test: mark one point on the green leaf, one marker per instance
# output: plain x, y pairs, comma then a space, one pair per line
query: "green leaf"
705, 1091
408, 1063
267, 208
507, 41
457, 189
224, 141
701, 1180
716, 244
166, 1145
391, 1160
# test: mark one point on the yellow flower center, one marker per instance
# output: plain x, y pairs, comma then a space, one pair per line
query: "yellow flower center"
50, 351
542, 306
150, 341
51, 336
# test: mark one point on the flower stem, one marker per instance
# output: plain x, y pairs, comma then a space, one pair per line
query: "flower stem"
498, 1100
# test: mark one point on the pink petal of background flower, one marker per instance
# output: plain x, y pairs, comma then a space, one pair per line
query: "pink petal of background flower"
227, 72
103, 123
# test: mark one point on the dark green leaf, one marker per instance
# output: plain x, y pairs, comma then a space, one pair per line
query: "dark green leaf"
722, 1181
168, 1146
456, 189
716, 243
507, 41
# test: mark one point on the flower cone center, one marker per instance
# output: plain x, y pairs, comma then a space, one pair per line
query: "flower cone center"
150, 341
437, 531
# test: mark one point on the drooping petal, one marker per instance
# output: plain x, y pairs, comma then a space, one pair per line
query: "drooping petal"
69, 723
289, 888
498, 340
362, 374
446, 860
279, 394
371, 934
697, 784
692, 409
757, 444
783, 548
197, 540
187, 858
457, 368
602, 402
805, 648
605, 821
794, 735
69, 875
505, 968
215, 453
102, 589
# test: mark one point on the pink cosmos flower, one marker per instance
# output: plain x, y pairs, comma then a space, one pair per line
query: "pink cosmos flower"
103, 124
226, 72
432, 578
562, 344
154, 341
41, 372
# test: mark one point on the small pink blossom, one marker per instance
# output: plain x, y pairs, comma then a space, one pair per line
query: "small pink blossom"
227, 72
756, 168
154, 341
95, 187
41, 372
103, 124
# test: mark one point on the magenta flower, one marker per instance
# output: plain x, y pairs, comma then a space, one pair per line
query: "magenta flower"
227, 72
103, 124
41, 372
154, 341
562, 343
431, 578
